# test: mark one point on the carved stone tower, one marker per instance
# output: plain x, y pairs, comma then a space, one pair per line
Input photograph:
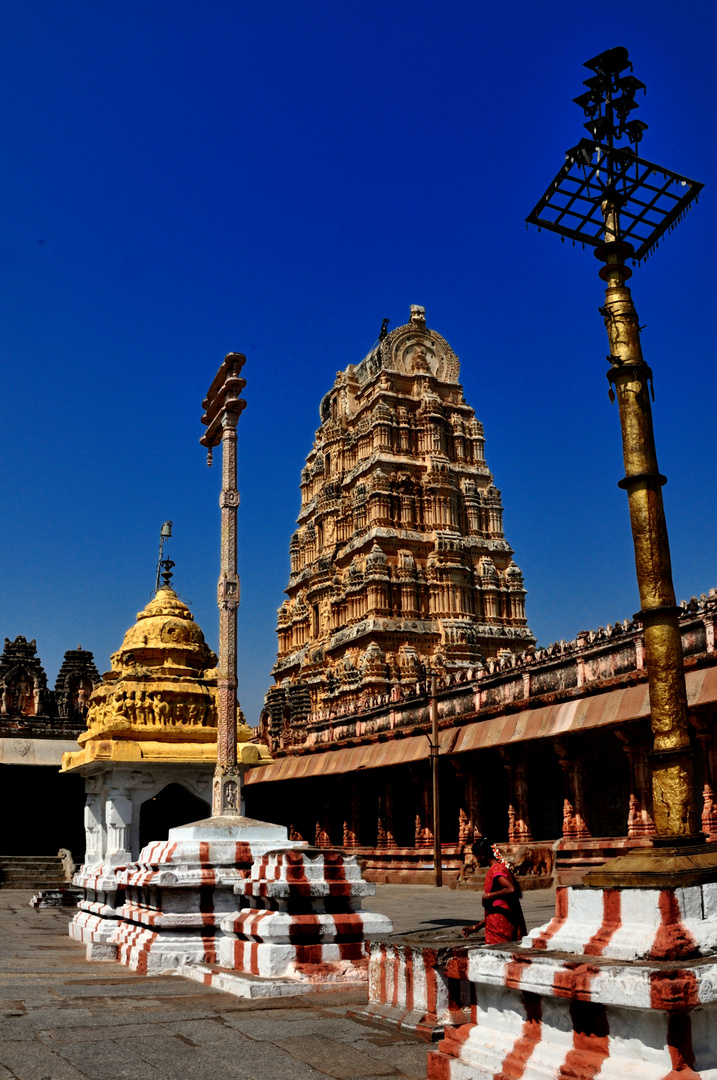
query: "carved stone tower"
399, 564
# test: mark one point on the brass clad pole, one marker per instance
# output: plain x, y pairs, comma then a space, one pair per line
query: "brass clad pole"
674, 808
437, 867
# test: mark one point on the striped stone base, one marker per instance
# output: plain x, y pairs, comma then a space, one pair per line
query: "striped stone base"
300, 918
237, 898
408, 989
252, 986
620, 985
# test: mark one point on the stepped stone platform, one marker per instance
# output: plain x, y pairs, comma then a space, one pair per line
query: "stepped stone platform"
31, 872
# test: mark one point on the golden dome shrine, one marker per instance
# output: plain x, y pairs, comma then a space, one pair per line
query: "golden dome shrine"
158, 702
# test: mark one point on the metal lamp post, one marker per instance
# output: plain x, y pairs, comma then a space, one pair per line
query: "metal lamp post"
222, 408
608, 197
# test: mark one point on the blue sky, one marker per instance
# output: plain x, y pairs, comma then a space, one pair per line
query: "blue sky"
181, 180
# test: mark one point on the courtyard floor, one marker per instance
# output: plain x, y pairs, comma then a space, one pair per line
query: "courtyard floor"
62, 1018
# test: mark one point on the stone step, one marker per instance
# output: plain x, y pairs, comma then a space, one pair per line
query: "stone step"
21, 875
30, 860
31, 871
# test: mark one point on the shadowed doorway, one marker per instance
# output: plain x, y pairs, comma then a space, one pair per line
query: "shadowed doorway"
174, 805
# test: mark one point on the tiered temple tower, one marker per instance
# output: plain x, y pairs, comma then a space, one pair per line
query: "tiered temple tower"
399, 565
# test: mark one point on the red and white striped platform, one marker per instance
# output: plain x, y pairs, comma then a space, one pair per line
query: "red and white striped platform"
180, 889
408, 988
301, 920
620, 985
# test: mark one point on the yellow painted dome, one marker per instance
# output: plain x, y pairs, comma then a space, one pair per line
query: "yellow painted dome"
159, 701
165, 637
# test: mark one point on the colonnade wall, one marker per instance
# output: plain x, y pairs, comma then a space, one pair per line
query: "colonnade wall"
546, 752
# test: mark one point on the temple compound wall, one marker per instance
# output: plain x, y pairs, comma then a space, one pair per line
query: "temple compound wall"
37, 725
400, 570
546, 753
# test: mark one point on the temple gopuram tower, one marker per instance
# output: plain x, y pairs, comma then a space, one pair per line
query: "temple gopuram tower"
399, 565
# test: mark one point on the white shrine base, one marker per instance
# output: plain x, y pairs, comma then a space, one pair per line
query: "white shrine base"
95, 924
233, 903
179, 890
620, 985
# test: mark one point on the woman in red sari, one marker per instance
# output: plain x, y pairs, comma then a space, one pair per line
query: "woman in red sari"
501, 898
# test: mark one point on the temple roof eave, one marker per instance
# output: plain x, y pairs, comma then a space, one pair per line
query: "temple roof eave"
128, 751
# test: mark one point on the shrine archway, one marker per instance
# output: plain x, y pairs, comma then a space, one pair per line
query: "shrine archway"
173, 805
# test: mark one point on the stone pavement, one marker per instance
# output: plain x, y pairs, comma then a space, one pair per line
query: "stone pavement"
62, 1018
415, 909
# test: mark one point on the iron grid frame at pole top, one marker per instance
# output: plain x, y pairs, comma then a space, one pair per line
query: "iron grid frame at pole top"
651, 198
608, 197
222, 408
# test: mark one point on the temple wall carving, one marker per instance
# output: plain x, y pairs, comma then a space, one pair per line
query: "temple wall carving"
27, 704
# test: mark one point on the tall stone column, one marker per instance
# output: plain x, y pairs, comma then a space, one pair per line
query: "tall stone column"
639, 817
223, 406
574, 816
519, 831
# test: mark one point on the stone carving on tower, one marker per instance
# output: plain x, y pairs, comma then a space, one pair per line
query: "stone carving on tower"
75, 682
23, 683
399, 564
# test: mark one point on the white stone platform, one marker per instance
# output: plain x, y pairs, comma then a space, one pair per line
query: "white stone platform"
300, 919
180, 889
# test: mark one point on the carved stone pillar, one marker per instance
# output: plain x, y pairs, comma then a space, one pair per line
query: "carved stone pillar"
322, 836
469, 810
707, 738
518, 821
386, 829
94, 844
118, 820
574, 816
424, 814
352, 809
637, 745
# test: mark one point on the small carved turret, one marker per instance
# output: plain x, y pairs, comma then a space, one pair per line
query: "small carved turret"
75, 682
